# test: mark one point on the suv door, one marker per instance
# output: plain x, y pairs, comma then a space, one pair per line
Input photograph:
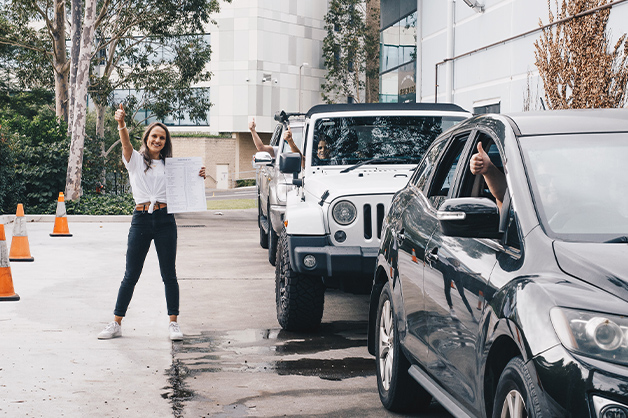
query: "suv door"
456, 278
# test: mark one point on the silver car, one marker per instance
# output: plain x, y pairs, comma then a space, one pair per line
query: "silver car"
272, 185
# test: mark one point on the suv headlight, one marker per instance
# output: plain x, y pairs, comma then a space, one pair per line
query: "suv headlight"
344, 212
593, 334
282, 191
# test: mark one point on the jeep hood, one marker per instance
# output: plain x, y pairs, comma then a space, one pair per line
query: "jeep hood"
356, 182
602, 265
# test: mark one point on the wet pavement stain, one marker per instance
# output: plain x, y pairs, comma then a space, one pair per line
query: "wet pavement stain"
267, 351
328, 369
177, 392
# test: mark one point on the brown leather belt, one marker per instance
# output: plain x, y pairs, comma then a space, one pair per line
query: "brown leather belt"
144, 207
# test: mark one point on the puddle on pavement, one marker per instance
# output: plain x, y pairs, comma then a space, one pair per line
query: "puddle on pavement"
263, 351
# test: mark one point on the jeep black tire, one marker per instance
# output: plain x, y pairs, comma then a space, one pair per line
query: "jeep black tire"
299, 297
263, 236
272, 241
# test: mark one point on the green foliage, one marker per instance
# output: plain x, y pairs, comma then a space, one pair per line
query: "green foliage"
245, 182
102, 204
348, 44
37, 152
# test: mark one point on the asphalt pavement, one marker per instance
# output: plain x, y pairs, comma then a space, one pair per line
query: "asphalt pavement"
234, 359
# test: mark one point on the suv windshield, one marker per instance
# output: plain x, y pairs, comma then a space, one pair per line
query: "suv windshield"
395, 139
579, 184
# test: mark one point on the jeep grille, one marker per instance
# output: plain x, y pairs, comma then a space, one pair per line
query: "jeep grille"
370, 223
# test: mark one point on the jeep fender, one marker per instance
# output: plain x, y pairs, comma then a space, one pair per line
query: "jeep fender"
305, 218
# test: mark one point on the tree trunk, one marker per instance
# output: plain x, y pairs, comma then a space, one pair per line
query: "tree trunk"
74, 52
60, 61
372, 51
75, 160
100, 137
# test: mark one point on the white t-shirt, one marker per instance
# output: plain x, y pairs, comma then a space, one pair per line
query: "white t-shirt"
149, 186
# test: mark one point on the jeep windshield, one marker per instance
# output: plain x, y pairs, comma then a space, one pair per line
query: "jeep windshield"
388, 139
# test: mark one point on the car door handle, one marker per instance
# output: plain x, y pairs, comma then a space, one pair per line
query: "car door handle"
432, 255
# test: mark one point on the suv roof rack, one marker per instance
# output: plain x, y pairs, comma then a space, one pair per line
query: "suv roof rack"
346, 107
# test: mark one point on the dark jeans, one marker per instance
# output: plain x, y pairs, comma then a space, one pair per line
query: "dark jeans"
162, 228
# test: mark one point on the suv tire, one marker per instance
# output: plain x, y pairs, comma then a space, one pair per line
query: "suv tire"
516, 390
398, 391
299, 297
263, 236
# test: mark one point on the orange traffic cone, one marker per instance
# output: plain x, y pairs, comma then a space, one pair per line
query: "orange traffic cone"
414, 256
61, 221
20, 250
6, 282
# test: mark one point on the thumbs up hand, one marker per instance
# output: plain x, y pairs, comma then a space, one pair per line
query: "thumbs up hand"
119, 116
480, 162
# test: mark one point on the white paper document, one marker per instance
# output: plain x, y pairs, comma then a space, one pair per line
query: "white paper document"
185, 189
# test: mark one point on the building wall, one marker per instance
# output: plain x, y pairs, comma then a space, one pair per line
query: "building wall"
258, 49
236, 152
503, 74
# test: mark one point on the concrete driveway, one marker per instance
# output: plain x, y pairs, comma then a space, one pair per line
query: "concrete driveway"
234, 361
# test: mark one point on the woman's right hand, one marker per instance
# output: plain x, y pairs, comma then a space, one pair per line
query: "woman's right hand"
120, 115
252, 125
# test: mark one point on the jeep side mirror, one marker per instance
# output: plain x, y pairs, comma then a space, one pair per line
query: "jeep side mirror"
262, 158
290, 162
470, 217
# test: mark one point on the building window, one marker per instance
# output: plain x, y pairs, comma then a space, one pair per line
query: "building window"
144, 115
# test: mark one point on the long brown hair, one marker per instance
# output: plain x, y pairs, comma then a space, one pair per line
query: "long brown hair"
165, 152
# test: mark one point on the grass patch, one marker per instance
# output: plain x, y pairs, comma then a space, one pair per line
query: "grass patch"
231, 204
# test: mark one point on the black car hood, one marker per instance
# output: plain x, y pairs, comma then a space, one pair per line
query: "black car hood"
602, 265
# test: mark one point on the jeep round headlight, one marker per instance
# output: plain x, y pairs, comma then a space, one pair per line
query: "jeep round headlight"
344, 212
594, 334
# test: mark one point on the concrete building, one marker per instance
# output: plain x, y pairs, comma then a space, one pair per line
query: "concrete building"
478, 54
266, 56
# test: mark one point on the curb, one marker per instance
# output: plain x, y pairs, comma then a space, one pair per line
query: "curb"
7, 219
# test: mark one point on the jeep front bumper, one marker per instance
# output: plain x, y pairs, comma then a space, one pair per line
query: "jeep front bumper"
330, 260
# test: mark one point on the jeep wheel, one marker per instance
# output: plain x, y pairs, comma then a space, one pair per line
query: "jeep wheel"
299, 298
263, 236
272, 241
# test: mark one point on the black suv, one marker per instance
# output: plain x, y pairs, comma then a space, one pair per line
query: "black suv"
512, 312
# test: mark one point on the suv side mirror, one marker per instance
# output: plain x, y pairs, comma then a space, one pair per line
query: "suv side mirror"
262, 158
470, 217
290, 162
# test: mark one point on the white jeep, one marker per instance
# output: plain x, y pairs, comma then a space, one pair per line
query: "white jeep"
357, 156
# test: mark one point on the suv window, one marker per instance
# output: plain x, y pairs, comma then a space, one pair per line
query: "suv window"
444, 177
274, 140
428, 163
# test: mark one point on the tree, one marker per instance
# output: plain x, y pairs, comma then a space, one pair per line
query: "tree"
350, 51
73, 189
154, 47
578, 67
46, 44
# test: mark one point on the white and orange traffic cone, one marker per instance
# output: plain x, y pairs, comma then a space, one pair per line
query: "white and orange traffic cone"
20, 250
7, 293
61, 220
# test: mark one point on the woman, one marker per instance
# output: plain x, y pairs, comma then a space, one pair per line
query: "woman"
151, 221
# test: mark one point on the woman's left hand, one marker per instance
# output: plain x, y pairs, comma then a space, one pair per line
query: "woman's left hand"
202, 172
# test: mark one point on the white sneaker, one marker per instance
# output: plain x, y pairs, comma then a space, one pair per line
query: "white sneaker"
112, 330
175, 332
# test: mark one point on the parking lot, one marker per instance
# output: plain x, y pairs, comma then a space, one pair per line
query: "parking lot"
234, 361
